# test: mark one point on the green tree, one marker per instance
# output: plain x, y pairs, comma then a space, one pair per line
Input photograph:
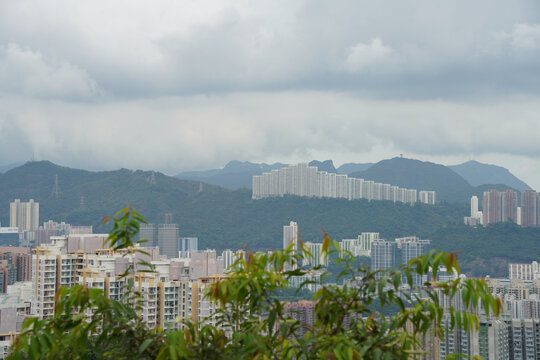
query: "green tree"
251, 321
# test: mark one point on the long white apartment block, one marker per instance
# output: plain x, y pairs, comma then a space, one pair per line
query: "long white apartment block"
304, 180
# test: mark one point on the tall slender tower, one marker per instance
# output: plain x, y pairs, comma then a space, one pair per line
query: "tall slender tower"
290, 236
474, 206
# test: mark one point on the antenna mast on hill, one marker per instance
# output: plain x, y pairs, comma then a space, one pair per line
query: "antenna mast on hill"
82, 201
200, 187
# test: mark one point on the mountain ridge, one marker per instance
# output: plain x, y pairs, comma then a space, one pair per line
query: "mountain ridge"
223, 218
477, 173
423, 175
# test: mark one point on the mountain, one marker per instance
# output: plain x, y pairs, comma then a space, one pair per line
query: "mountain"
326, 165
235, 175
83, 196
477, 173
349, 168
420, 175
4, 168
223, 218
220, 217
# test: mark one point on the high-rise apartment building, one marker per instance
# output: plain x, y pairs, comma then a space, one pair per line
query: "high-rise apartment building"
491, 207
188, 245
412, 247
303, 312
529, 208
315, 257
149, 233
509, 204
24, 215
524, 271
383, 254
364, 242
168, 293
474, 205
168, 235
427, 197
290, 236
524, 338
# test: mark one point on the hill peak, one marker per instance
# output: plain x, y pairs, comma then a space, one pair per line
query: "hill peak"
477, 173
326, 165
420, 175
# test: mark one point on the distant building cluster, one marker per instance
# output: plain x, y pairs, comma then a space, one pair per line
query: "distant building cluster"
388, 254
167, 238
25, 231
360, 246
15, 266
304, 180
502, 206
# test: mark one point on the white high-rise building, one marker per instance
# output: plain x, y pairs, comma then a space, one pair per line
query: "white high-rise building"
427, 197
290, 236
476, 217
474, 205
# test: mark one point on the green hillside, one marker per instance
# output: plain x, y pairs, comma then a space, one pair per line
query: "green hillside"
420, 175
224, 218
488, 250
220, 218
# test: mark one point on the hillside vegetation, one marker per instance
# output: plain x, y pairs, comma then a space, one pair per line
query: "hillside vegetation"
223, 218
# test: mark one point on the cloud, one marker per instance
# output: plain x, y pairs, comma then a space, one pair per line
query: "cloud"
31, 73
160, 48
193, 132
526, 37
180, 84
363, 55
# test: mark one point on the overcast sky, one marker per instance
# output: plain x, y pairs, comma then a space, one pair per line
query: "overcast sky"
183, 85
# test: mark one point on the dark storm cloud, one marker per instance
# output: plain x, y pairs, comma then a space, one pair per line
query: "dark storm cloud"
173, 85
399, 49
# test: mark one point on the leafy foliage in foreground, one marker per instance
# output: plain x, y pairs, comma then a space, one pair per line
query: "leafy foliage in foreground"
251, 320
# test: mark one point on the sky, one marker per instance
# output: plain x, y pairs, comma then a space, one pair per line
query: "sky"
174, 85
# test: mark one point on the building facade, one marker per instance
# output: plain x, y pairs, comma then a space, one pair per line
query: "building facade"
304, 180
24, 215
